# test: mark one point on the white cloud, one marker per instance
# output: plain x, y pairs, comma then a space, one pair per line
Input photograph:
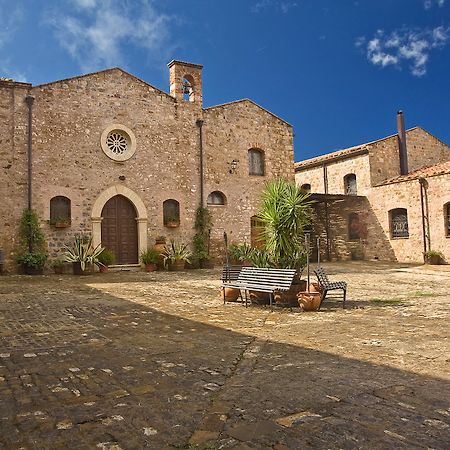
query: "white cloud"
428, 4
11, 18
281, 5
96, 34
405, 46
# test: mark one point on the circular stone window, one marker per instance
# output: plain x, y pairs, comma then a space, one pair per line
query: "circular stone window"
118, 142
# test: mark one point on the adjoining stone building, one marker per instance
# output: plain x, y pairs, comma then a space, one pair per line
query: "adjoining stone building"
388, 199
127, 162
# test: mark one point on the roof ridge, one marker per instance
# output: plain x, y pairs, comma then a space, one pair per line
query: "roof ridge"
220, 105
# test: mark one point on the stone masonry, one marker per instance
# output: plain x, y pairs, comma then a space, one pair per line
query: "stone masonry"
380, 189
69, 117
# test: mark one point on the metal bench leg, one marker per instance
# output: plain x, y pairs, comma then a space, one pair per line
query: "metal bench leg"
246, 298
322, 298
223, 290
345, 295
271, 303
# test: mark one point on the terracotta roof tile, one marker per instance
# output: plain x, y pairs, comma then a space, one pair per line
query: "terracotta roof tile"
424, 172
350, 151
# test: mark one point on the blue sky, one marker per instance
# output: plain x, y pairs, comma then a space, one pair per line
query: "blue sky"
337, 70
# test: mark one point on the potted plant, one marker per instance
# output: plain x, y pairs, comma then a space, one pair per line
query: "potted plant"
240, 254
172, 221
176, 255
203, 224
160, 245
286, 213
58, 266
32, 254
433, 257
106, 259
150, 258
60, 222
82, 254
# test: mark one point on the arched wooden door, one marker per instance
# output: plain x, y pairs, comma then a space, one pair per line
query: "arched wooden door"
119, 229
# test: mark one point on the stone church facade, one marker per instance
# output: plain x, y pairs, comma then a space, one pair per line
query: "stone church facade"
127, 162
382, 200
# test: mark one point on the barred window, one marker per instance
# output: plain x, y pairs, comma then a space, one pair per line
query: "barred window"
216, 198
60, 209
256, 162
447, 219
171, 213
399, 223
350, 184
306, 187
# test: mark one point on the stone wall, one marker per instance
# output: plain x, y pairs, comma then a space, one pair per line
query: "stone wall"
372, 242
69, 119
13, 164
224, 141
407, 195
423, 150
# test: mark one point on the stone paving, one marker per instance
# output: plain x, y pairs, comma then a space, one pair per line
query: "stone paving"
133, 360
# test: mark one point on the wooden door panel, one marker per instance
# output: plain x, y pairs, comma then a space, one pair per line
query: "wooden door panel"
119, 229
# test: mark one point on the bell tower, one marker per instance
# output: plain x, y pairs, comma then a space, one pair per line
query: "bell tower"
186, 81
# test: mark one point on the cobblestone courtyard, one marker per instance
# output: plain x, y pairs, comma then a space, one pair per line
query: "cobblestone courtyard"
133, 360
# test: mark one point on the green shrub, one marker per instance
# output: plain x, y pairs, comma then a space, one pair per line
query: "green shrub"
150, 256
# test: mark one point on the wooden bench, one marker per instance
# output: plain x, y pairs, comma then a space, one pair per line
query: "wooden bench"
262, 280
326, 285
230, 274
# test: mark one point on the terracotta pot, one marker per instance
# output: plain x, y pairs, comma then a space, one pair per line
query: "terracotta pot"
61, 224
434, 260
28, 270
309, 301
58, 270
176, 265
259, 298
159, 247
231, 294
206, 264
76, 266
150, 267
289, 298
103, 269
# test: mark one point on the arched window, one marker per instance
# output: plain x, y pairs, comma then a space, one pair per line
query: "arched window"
447, 219
60, 214
306, 187
350, 184
188, 88
171, 213
256, 232
256, 162
399, 223
216, 198
354, 227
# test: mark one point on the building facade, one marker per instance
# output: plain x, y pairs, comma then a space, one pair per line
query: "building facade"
110, 155
382, 200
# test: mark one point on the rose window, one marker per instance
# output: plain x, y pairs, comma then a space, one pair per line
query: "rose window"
117, 142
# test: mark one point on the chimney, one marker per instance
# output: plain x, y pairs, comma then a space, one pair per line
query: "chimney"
403, 153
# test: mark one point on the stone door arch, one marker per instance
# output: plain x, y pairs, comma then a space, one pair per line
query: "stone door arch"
138, 204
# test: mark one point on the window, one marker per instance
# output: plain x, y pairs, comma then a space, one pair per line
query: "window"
118, 142
354, 227
257, 232
216, 198
447, 219
255, 162
171, 213
306, 187
399, 223
350, 184
60, 211
188, 88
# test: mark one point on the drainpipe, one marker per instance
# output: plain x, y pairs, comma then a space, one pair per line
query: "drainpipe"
29, 100
425, 219
199, 123
327, 215
403, 153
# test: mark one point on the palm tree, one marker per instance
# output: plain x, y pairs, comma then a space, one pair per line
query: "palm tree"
286, 213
